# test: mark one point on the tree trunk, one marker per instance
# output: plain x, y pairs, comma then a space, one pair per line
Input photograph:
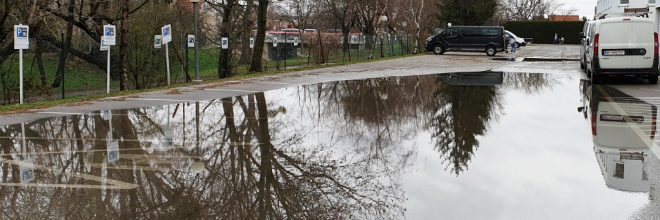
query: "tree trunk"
246, 51
38, 57
261, 37
67, 45
123, 47
224, 60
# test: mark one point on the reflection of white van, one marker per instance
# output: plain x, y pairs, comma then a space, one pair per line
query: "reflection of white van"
623, 46
623, 130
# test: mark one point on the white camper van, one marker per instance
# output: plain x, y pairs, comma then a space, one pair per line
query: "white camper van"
623, 46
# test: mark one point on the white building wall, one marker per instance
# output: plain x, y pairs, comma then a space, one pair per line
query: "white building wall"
620, 8
617, 8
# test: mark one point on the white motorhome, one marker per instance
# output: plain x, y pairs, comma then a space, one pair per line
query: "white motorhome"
623, 46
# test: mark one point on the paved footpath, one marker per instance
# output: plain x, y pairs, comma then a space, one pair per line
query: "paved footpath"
418, 65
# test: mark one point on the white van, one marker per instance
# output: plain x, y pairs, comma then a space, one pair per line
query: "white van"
520, 41
623, 46
584, 45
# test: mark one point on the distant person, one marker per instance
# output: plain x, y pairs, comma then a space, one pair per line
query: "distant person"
512, 43
561, 41
556, 41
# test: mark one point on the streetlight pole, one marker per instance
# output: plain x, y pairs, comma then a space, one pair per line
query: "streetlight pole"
196, 40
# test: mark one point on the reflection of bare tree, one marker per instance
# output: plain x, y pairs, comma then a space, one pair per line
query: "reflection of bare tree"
461, 115
245, 172
528, 82
385, 112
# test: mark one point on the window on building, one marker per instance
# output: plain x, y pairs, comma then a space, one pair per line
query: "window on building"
651, 1
624, 2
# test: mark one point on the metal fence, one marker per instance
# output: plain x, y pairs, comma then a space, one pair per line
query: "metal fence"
288, 51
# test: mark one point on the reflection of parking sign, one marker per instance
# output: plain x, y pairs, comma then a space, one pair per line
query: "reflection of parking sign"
113, 151
169, 138
26, 171
252, 43
295, 41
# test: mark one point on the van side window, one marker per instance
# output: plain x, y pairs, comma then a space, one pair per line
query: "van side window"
451, 32
490, 32
471, 32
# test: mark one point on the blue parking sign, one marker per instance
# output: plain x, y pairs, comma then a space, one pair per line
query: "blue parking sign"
21, 32
109, 32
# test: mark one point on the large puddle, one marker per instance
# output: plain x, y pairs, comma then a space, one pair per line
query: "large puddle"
450, 146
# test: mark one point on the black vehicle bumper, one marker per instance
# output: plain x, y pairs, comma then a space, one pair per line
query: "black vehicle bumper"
429, 47
613, 72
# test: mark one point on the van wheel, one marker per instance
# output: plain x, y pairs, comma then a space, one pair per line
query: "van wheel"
438, 50
653, 79
491, 51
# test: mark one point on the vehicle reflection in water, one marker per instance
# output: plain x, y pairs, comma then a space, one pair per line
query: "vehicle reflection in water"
624, 132
329, 151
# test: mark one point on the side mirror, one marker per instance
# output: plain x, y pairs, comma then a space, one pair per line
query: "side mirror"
582, 35
580, 109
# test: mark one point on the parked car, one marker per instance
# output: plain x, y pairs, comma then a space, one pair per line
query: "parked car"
623, 46
584, 46
520, 41
489, 39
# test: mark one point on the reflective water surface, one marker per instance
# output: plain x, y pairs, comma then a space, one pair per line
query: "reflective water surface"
451, 146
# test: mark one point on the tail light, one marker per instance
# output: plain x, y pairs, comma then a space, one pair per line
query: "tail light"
594, 118
656, 51
596, 44
653, 127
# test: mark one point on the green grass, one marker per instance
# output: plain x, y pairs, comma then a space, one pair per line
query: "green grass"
208, 73
78, 75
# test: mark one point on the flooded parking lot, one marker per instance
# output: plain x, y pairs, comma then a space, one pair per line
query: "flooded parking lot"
483, 145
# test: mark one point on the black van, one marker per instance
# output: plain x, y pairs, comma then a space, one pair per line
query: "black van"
468, 38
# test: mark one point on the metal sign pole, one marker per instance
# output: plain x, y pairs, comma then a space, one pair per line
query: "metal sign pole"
23, 137
167, 62
20, 63
108, 71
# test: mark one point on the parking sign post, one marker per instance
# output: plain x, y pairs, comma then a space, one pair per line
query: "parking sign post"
21, 42
167, 38
109, 39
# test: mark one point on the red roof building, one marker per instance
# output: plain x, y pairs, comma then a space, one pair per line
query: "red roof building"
564, 18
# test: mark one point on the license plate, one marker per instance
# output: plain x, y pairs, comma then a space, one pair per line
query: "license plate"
614, 52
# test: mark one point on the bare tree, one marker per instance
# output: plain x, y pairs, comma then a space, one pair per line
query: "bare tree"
414, 10
342, 15
261, 36
524, 10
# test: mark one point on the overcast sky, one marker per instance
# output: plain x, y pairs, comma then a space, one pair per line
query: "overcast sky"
584, 7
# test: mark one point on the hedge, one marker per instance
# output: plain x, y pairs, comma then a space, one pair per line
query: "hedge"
543, 32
